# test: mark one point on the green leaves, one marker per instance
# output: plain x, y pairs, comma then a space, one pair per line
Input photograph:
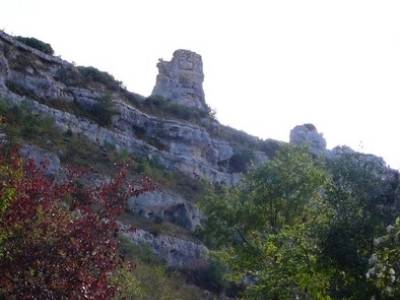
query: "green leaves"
384, 263
268, 228
281, 188
298, 228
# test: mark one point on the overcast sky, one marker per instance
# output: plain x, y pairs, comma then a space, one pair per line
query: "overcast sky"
269, 65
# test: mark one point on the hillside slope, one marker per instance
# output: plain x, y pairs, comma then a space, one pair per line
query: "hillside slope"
171, 137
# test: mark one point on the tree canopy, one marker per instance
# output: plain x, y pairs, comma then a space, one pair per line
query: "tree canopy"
303, 227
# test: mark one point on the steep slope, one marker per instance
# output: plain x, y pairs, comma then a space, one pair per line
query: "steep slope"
68, 93
172, 137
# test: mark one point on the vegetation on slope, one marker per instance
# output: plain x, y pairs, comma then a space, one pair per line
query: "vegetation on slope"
24, 127
151, 279
54, 243
299, 228
35, 43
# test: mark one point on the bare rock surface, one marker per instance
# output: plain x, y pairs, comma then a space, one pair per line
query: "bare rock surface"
48, 84
307, 135
181, 79
177, 253
166, 206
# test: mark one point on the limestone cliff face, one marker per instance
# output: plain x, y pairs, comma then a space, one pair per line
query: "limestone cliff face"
181, 79
49, 84
203, 150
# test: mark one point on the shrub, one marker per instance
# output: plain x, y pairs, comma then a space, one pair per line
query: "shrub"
35, 43
53, 243
91, 74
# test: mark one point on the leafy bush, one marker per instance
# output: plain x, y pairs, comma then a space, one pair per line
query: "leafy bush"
53, 243
35, 43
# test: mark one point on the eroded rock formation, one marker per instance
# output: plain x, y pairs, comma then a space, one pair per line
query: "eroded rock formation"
307, 135
181, 79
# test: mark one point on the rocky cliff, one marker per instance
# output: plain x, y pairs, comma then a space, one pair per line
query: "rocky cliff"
199, 148
159, 129
57, 88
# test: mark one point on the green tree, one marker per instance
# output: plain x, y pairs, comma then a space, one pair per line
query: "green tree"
267, 230
362, 196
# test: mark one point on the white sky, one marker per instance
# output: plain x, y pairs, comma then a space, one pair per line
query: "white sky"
269, 65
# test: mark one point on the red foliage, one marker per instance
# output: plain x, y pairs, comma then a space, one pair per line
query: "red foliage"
58, 240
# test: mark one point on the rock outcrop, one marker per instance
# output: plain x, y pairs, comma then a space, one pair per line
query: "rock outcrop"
166, 206
177, 253
49, 84
181, 79
307, 135
203, 150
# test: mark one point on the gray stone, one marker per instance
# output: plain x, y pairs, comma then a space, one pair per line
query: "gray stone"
177, 253
181, 79
307, 135
85, 97
176, 145
166, 206
40, 87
